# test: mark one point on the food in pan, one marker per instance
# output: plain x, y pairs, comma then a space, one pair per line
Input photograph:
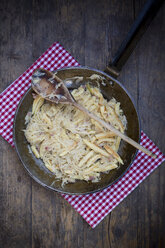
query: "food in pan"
71, 145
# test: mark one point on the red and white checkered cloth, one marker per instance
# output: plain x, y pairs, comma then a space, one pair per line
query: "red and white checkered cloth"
93, 207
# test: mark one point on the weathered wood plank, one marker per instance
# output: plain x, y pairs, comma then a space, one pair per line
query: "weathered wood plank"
55, 223
123, 222
151, 107
15, 184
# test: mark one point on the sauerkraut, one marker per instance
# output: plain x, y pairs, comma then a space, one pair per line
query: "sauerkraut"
71, 145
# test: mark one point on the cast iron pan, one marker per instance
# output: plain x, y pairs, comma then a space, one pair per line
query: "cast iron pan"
112, 88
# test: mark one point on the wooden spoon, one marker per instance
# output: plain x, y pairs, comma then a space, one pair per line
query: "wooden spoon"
52, 88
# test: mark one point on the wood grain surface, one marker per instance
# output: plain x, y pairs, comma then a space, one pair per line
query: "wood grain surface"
30, 215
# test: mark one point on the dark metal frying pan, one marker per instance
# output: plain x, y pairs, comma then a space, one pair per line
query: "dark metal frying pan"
112, 88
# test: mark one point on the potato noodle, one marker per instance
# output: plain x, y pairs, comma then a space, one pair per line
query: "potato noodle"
71, 145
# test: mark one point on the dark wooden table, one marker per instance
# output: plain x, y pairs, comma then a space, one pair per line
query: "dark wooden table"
31, 216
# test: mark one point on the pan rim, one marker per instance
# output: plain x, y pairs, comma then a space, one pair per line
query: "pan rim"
79, 193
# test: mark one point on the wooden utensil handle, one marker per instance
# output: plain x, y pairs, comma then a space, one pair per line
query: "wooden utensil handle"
114, 130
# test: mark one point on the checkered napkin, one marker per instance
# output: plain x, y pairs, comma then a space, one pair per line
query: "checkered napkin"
93, 207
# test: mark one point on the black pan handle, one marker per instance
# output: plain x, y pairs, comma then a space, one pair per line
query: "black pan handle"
138, 28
